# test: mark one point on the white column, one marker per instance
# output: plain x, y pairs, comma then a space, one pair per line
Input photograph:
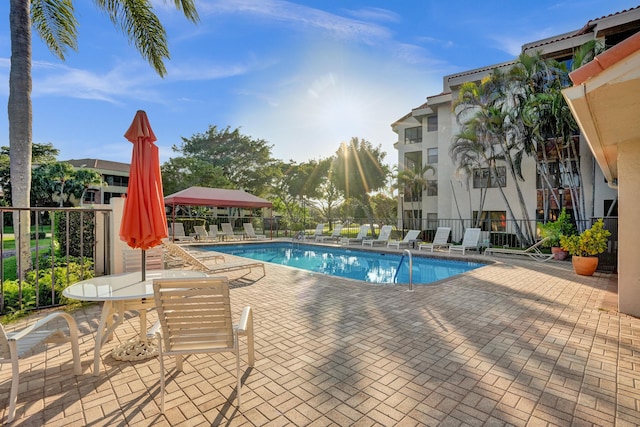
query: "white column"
628, 229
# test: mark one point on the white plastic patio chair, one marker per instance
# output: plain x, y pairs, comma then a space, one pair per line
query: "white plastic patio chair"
362, 235
15, 345
194, 317
408, 238
383, 237
227, 231
335, 235
177, 234
471, 240
203, 236
316, 233
250, 232
440, 240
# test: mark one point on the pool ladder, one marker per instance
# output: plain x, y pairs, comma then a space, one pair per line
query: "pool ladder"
408, 252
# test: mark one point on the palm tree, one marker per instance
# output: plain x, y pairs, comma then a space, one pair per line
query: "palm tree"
413, 182
55, 23
488, 133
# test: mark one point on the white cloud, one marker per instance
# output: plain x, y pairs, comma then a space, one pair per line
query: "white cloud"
301, 17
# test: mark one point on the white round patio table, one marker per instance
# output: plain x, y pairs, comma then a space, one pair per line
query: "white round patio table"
120, 293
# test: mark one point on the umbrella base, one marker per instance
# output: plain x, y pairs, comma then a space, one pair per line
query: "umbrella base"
136, 349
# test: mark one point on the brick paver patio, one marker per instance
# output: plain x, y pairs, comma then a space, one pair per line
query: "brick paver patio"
515, 343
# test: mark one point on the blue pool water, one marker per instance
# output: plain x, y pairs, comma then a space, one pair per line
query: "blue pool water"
374, 267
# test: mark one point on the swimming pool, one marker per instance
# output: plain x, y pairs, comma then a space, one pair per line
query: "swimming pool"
373, 267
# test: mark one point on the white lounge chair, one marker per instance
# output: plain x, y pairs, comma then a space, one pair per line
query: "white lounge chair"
532, 251
471, 240
440, 240
250, 232
227, 231
335, 235
202, 235
199, 262
408, 238
194, 317
15, 345
383, 237
317, 232
177, 233
362, 235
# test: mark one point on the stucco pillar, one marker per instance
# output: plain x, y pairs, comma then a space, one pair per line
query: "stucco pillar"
117, 245
629, 228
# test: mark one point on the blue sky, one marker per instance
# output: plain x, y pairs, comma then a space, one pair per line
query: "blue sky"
302, 75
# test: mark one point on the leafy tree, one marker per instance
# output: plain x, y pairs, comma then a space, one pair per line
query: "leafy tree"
359, 171
244, 161
41, 154
81, 181
184, 172
385, 208
331, 196
55, 23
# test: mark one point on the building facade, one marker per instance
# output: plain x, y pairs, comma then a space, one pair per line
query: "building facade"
114, 174
425, 135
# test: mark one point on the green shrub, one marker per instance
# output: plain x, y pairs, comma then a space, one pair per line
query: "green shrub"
40, 235
562, 226
77, 233
590, 242
64, 274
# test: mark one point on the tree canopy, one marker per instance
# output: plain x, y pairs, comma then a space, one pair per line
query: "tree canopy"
245, 162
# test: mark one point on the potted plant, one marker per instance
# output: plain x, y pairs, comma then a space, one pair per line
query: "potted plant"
585, 246
562, 226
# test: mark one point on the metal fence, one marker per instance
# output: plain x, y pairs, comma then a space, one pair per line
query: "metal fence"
58, 236
71, 233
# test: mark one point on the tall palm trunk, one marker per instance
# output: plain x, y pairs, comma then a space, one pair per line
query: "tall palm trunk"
20, 117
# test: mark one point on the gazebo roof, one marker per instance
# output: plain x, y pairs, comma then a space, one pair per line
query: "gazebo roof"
220, 197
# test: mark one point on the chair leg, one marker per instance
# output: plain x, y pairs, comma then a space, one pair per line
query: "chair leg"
15, 377
238, 372
161, 358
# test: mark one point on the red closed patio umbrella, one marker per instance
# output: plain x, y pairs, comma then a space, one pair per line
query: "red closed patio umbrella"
144, 221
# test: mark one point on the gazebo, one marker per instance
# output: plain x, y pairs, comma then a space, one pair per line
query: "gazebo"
218, 197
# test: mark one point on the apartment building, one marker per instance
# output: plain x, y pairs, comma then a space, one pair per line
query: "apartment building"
425, 135
114, 174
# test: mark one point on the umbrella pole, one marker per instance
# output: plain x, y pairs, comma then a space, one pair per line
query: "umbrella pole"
144, 265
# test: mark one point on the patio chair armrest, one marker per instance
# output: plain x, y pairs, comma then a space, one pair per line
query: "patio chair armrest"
245, 328
246, 321
71, 323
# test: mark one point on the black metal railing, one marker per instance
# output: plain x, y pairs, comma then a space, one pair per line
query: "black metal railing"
64, 244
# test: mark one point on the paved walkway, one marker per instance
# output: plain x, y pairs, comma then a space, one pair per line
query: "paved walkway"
519, 343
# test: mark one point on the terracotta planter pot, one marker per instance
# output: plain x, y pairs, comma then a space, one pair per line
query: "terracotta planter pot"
584, 265
558, 253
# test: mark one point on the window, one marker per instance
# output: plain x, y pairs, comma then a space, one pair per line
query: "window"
432, 221
483, 178
559, 176
432, 156
491, 220
413, 135
432, 123
90, 197
608, 207
117, 181
432, 187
